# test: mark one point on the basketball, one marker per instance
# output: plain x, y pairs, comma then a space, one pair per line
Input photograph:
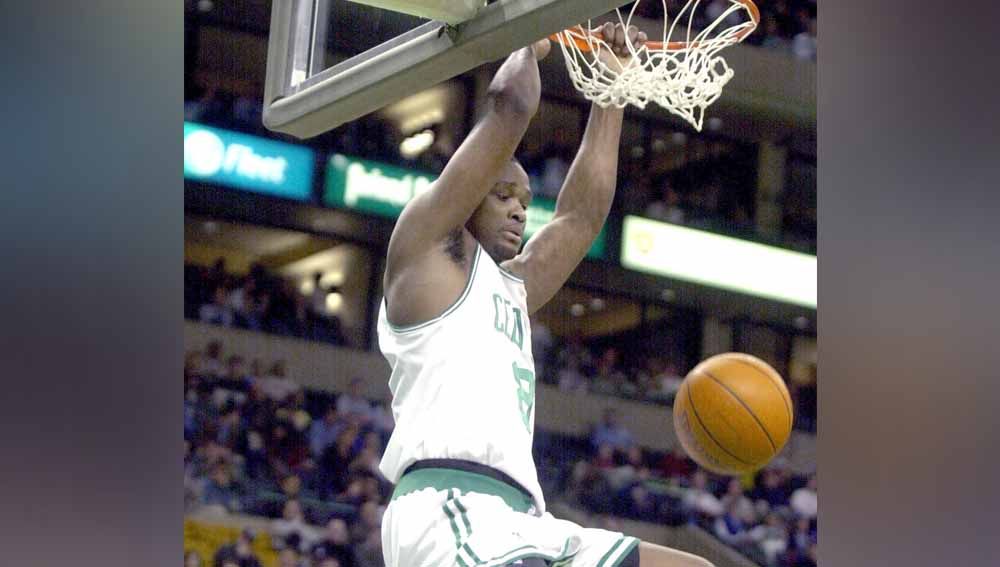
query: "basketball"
733, 413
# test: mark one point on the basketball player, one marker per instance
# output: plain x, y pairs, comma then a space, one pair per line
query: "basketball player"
454, 327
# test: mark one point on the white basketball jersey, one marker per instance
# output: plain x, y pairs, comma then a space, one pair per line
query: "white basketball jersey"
463, 383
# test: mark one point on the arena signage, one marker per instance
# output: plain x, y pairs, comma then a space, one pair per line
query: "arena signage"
384, 190
719, 261
247, 162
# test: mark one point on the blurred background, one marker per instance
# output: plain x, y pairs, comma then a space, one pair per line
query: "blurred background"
285, 396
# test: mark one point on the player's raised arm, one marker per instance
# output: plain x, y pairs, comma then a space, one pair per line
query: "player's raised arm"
585, 198
476, 166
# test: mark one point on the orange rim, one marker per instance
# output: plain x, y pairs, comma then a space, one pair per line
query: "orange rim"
583, 45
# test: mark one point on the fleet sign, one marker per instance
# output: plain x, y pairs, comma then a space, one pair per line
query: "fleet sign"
247, 162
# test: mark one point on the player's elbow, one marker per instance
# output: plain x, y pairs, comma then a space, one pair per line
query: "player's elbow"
513, 101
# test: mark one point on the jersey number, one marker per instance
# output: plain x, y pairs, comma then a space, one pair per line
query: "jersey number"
525, 379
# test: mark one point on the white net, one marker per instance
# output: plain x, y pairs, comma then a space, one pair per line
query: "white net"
683, 73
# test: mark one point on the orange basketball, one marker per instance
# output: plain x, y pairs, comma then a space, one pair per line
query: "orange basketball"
733, 413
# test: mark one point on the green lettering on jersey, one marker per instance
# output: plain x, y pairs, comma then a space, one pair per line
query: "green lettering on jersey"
513, 332
496, 313
517, 333
525, 379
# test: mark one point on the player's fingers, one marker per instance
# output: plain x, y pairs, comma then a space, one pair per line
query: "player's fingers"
616, 38
608, 32
633, 33
641, 39
541, 48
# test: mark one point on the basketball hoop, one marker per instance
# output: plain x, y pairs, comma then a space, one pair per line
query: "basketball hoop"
684, 77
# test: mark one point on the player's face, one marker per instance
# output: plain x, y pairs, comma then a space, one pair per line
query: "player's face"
498, 223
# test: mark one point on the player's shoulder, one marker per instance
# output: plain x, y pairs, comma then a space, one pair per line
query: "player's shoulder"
516, 267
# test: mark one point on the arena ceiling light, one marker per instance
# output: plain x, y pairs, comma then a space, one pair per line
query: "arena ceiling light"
719, 261
416, 144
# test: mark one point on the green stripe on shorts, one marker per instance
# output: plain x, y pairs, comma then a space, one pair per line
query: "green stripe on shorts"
630, 543
446, 479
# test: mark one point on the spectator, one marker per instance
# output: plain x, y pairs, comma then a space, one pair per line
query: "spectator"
369, 550
646, 377
336, 459
192, 559
610, 379
740, 222
230, 430
292, 522
633, 470
236, 370
735, 500
291, 489
217, 276
705, 204
634, 194
556, 157
718, 7
670, 381
807, 559
218, 311
221, 490
287, 450
804, 42
733, 528
211, 360
321, 324
611, 432
277, 386
352, 404
369, 520
354, 494
699, 501
249, 304
367, 461
771, 489
771, 537
772, 35
240, 552
804, 396
803, 501
783, 14
676, 464
604, 459
192, 367
575, 350
256, 371
290, 557
335, 544
801, 543
247, 110
667, 208
323, 432
382, 420
192, 487
642, 506
571, 379
255, 462
541, 347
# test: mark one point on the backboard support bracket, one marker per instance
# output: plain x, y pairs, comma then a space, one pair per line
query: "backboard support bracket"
304, 100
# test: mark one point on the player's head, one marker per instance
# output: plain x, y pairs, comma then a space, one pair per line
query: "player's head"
498, 223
